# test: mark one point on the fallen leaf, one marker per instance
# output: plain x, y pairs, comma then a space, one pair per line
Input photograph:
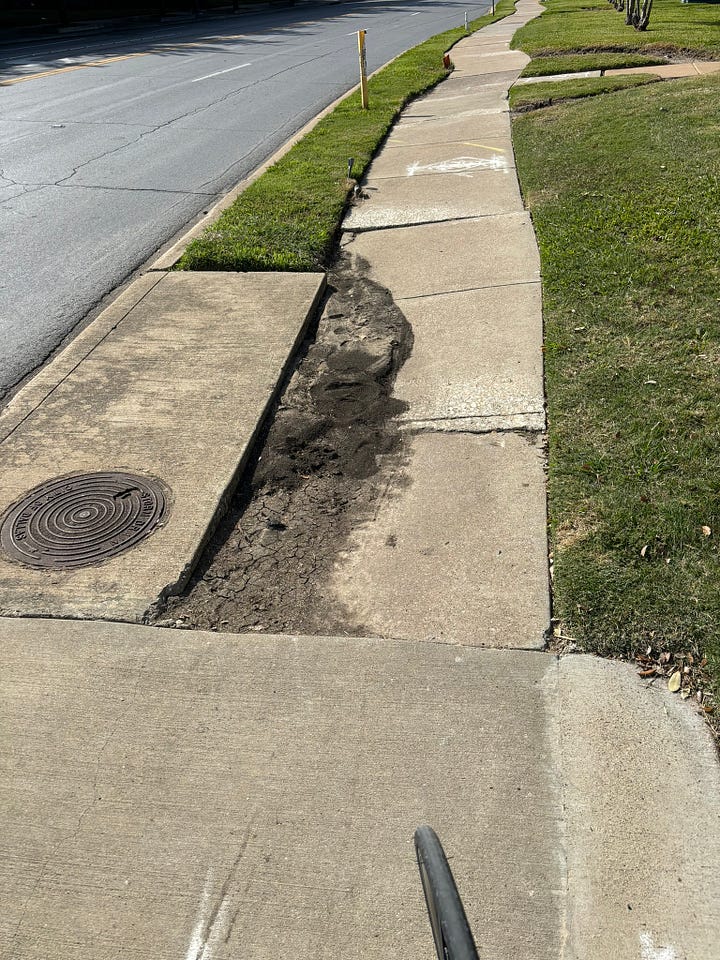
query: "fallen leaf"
648, 673
674, 682
706, 530
644, 550
685, 693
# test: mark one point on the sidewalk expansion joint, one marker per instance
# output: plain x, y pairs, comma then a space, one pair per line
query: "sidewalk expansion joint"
458, 644
434, 425
488, 286
349, 231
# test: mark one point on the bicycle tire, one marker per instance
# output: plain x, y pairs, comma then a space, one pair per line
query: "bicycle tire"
450, 928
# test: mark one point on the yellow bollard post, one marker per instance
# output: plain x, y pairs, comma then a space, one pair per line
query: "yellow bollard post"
363, 69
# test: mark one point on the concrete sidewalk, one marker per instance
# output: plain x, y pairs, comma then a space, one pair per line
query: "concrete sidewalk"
204, 796
172, 382
445, 230
665, 71
197, 795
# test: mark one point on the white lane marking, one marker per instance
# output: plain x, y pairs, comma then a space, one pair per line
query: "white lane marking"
651, 952
229, 70
459, 166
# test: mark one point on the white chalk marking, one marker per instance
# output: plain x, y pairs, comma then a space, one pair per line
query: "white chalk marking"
197, 940
211, 924
459, 166
651, 952
229, 70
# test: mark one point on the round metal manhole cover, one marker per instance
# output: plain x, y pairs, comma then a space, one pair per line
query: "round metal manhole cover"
81, 519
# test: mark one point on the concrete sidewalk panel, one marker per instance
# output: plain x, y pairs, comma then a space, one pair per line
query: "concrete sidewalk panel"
457, 160
49, 378
175, 387
447, 257
478, 64
702, 67
669, 71
641, 790
472, 86
476, 125
475, 574
458, 106
182, 795
553, 78
403, 201
502, 145
475, 355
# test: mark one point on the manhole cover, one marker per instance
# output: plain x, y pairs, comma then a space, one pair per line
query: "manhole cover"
81, 519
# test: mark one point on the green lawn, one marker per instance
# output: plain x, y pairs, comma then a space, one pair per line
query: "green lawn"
578, 62
288, 219
532, 96
624, 192
593, 26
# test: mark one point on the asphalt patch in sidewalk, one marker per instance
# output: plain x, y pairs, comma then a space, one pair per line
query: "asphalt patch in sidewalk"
322, 466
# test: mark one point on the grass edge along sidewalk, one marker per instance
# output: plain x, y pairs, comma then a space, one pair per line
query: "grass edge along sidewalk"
624, 192
289, 217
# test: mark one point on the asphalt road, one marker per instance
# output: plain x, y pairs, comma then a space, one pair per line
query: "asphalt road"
110, 143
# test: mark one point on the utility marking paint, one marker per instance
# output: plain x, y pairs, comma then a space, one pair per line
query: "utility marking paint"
484, 146
651, 952
197, 940
459, 166
217, 74
211, 925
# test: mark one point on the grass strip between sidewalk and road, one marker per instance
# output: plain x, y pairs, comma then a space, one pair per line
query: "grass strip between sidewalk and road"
624, 192
288, 219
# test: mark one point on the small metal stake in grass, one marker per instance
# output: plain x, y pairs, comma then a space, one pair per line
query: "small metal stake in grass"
363, 69
466, 22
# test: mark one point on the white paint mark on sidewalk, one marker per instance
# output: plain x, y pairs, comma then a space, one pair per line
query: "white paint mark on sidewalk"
651, 952
229, 70
211, 925
459, 166
197, 940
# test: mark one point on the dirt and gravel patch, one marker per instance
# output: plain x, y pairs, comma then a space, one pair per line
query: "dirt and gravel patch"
329, 452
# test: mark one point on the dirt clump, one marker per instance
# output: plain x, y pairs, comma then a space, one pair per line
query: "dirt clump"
330, 446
